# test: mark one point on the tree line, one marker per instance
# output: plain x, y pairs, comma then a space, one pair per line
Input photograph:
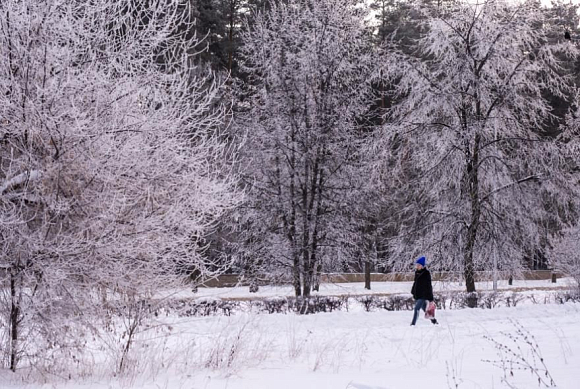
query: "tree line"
379, 132
148, 144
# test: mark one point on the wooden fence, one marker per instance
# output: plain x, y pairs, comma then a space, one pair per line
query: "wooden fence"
229, 280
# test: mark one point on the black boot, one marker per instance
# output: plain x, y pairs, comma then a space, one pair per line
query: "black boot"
434, 321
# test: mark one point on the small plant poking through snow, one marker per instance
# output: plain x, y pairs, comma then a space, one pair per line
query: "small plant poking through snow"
520, 352
236, 348
453, 381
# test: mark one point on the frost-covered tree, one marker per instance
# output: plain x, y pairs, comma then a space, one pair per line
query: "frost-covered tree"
109, 162
309, 62
564, 256
479, 173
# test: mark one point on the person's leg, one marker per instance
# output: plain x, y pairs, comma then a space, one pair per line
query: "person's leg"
419, 304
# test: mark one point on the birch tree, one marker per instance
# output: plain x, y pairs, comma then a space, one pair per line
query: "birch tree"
480, 174
309, 62
107, 153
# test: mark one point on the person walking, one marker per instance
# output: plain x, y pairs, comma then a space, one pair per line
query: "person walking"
422, 289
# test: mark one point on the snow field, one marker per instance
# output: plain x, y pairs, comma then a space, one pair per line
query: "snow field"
357, 350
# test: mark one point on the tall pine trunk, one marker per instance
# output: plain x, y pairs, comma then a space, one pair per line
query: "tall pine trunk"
231, 35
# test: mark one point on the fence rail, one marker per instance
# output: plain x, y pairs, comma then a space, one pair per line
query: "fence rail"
229, 280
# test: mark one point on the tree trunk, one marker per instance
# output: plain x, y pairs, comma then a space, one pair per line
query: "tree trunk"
308, 198
296, 276
134, 323
309, 275
14, 321
317, 279
307, 283
368, 274
292, 224
250, 271
314, 215
468, 272
473, 185
307, 267
254, 287
313, 261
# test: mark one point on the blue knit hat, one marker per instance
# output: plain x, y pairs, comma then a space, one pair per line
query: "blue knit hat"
421, 261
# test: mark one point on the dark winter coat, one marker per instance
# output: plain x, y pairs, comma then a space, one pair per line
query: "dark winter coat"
422, 288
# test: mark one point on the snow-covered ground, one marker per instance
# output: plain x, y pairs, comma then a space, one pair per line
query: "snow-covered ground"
341, 350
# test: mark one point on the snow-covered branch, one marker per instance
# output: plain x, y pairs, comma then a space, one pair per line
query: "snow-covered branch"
20, 179
534, 178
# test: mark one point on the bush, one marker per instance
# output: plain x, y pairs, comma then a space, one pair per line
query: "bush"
572, 295
490, 300
513, 299
275, 305
368, 302
396, 303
